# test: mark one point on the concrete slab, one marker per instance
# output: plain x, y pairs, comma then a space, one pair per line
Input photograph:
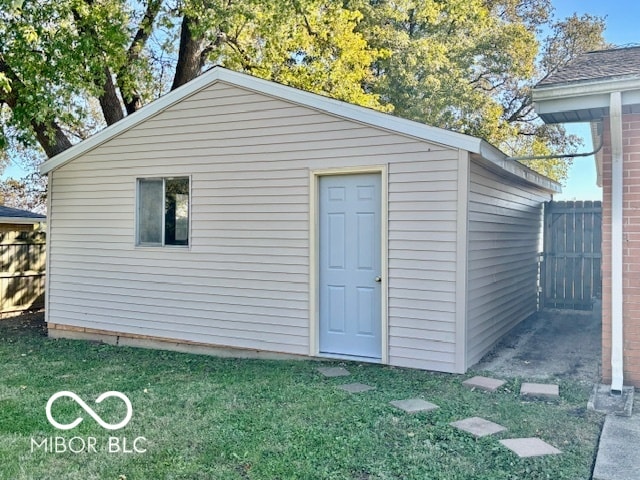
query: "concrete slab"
602, 400
529, 447
540, 390
355, 387
618, 450
414, 405
478, 427
334, 371
484, 383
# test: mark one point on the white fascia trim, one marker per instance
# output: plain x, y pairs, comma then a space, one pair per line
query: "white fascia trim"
490, 154
312, 100
22, 220
317, 102
354, 112
132, 120
394, 124
584, 88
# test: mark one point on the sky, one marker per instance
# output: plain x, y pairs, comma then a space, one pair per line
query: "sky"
622, 18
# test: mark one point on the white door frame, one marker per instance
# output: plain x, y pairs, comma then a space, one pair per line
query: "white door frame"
314, 253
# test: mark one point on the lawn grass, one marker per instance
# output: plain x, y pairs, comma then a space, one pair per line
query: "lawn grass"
212, 418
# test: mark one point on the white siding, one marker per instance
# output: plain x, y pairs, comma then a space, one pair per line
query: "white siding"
422, 262
504, 234
243, 282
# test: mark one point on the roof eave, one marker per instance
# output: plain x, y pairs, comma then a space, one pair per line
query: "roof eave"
494, 158
130, 121
585, 87
583, 101
23, 220
321, 103
311, 100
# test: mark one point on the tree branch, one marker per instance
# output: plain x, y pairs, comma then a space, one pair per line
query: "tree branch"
49, 134
132, 99
109, 100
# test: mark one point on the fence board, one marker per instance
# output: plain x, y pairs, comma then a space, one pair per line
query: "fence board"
22, 271
570, 270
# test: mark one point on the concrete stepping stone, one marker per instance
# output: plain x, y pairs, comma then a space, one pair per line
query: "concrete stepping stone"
484, 383
529, 447
478, 427
414, 405
540, 390
355, 387
334, 371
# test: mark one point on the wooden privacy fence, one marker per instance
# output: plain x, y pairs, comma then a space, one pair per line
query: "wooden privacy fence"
570, 270
22, 271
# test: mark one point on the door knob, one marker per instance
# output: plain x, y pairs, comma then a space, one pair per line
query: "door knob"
378, 279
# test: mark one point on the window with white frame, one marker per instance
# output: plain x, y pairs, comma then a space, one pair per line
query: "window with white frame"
163, 211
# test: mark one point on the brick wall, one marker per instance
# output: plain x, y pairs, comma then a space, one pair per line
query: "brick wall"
631, 251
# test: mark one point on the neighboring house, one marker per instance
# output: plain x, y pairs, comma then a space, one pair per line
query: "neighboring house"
16, 220
236, 213
603, 88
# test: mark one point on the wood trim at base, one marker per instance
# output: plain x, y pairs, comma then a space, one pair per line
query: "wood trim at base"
56, 330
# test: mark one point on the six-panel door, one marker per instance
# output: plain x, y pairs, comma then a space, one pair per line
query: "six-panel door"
349, 265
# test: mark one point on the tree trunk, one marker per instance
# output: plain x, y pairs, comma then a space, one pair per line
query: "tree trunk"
130, 95
55, 145
109, 101
190, 59
50, 136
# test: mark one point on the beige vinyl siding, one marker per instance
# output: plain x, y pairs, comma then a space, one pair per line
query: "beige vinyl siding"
422, 262
504, 233
244, 279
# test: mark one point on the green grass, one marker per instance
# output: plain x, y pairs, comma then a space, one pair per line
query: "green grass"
212, 418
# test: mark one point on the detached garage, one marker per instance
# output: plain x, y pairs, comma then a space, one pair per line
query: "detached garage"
239, 216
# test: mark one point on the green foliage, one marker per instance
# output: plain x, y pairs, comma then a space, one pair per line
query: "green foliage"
470, 65
466, 65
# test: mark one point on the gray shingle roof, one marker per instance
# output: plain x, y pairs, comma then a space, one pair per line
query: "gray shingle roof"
598, 65
17, 213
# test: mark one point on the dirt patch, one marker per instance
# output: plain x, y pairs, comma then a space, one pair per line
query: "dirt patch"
25, 322
553, 343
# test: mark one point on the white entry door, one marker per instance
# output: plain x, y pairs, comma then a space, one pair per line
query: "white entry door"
350, 265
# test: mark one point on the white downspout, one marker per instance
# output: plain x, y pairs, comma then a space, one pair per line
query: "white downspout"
617, 175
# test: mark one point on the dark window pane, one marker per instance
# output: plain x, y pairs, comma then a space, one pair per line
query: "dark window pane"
150, 211
176, 217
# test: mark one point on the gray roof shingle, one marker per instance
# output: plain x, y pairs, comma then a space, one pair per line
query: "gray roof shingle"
598, 65
17, 213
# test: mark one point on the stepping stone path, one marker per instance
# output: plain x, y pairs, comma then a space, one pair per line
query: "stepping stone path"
523, 447
484, 383
334, 371
414, 405
355, 387
529, 447
541, 390
478, 427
